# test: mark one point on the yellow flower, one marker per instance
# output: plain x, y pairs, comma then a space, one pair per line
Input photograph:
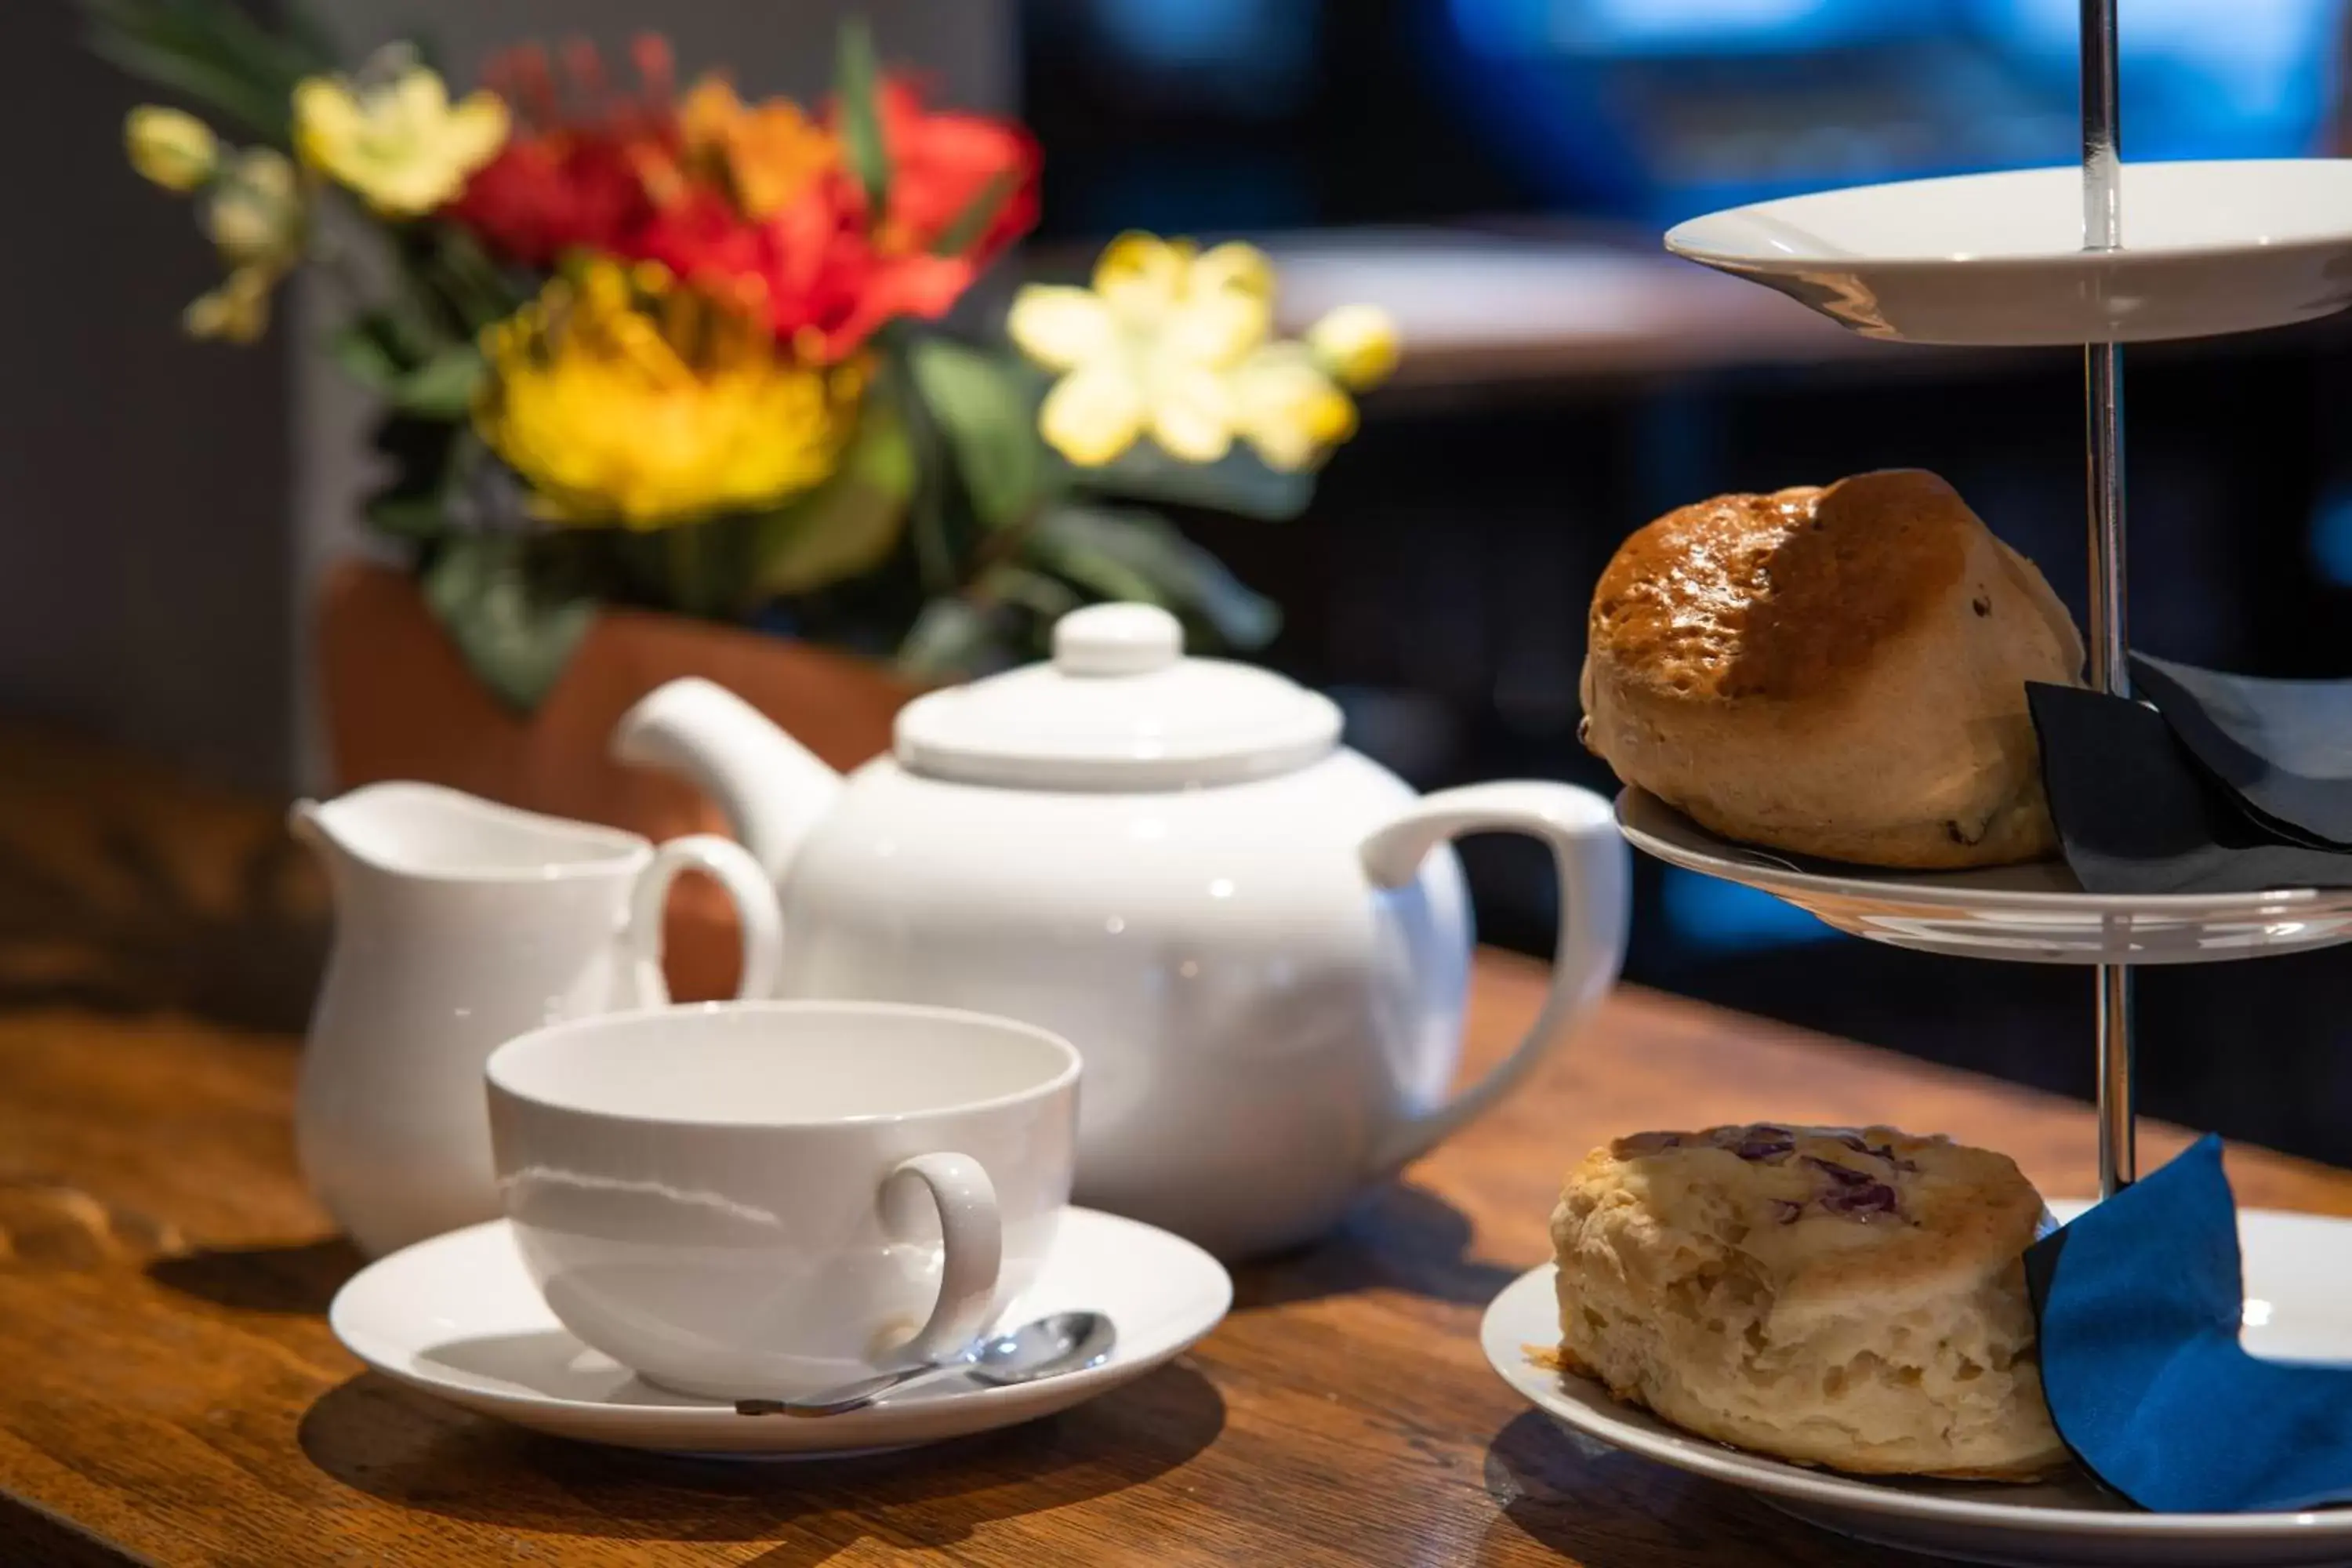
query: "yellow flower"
621, 397
254, 213
1357, 343
175, 150
1176, 345
1287, 408
238, 310
397, 140
1148, 349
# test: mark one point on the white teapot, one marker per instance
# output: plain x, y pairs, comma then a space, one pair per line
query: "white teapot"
1254, 936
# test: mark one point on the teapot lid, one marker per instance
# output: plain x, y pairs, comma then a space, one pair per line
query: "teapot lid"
1118, 707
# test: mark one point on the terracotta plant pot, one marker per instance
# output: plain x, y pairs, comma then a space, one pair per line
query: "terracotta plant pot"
401, 704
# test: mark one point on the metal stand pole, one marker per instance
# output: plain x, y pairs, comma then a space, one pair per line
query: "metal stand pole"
2103, 378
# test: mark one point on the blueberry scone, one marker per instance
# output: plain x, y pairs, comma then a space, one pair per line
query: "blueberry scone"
1853, 1299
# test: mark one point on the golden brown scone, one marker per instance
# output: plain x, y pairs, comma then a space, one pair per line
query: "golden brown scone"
1834, 671
1851, 1297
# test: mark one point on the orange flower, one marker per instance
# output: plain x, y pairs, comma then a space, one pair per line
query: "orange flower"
753, 204
766, 153
819, 271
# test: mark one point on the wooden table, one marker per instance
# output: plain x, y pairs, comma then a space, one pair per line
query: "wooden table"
171, 1395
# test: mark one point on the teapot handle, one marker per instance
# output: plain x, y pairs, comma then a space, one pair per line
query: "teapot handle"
1595, 897
747, 887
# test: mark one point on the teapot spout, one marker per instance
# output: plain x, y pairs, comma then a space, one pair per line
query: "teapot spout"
306, 821
772, 788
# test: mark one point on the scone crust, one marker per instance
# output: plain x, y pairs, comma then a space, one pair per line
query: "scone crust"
1837, 671
1851, 1297
1773, 595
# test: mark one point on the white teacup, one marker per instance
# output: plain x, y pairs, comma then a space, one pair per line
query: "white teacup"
775, 1198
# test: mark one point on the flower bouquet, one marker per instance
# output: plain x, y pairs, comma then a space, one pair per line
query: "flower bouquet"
640, 344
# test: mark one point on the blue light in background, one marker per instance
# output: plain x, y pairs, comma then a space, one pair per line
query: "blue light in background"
1656, 110
1239, 60
1246, 57
1716, 916
2331, 535
2201, 78
1187, 33
1538, 28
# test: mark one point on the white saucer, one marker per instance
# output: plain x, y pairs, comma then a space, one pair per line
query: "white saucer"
458, 1317
2299, 1298
2034, 913
1990, 259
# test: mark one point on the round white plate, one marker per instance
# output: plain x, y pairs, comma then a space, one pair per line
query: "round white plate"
2299, 1307
458, 1316
2208, 248
2034, 913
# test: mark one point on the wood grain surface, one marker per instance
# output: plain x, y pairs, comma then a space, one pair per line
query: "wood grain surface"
171, 1395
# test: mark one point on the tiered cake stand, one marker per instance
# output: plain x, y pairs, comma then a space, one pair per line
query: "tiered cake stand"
2100, 257
2110, 256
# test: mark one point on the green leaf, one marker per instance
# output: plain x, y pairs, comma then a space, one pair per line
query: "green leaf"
399, 515
431, 462
1106, 573
964, 231
983, 408
203, 82
857, 79
465, 277
517, 632
443, 387
1137, 555
379, 347
213, 52
951, 637
365, 352
286, 56
1239, 482
307, 31
1047, 598
440, 383
848, 525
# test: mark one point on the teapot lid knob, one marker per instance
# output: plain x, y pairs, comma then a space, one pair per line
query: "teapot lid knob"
1116, 639
1118, 707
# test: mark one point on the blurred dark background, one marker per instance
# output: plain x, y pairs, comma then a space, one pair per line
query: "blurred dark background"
1497, 172
1570, 382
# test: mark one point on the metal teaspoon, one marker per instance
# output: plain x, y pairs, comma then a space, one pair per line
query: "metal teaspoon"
1061, 1342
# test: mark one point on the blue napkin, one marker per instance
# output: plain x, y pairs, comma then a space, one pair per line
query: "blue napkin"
2139, 1302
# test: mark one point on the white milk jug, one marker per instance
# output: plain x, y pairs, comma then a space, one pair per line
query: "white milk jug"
460, 924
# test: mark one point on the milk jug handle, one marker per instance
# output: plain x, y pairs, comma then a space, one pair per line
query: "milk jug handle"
1595, 896
747, 885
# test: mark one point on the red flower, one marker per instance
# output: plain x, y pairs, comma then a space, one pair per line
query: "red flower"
810, 270
575, 174
619, 176
825, 278
940, 163
546, 195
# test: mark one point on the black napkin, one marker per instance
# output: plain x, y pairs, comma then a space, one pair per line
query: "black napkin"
2138, 812
2284, 747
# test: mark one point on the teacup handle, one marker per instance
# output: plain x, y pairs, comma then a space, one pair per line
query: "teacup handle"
972, 1238
755, 903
